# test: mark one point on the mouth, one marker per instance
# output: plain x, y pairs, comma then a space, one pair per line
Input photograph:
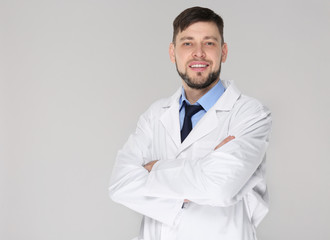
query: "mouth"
199, 66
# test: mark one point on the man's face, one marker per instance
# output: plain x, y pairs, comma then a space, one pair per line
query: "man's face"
198, 54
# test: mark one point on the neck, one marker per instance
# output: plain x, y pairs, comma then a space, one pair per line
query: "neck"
193, 95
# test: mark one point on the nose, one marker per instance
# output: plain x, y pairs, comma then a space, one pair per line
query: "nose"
199, 52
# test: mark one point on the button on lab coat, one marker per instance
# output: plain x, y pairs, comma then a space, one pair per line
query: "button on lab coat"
226, 187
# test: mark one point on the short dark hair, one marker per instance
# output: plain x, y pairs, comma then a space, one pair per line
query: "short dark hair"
193, 15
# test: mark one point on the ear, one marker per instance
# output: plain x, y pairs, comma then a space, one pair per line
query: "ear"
171, 52
224, 52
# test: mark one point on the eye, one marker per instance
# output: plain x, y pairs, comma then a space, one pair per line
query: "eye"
186, 44
210, 43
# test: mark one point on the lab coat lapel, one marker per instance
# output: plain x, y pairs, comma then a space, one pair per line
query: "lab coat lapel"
210, 120
170, 118
202, 128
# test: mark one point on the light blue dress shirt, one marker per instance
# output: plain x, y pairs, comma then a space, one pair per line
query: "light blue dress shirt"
206, 101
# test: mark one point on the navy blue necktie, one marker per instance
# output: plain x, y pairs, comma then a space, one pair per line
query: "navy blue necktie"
190, 110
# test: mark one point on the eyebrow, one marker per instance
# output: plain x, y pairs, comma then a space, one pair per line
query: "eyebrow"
211, 37
191, 38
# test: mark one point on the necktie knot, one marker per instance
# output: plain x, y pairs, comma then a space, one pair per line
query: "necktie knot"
190, 110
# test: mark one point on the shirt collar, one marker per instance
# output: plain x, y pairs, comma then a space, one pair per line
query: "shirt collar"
208, 99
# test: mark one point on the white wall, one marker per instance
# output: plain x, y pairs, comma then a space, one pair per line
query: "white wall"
75, 75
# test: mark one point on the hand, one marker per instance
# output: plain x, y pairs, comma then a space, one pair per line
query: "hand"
227, 139
149, 165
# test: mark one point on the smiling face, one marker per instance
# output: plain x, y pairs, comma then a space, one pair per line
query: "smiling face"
198, 53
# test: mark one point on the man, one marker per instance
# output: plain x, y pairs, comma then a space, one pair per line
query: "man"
195, 165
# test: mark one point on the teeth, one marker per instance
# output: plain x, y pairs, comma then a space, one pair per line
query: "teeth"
198, 66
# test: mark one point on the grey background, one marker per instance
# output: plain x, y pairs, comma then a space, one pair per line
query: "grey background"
75, 76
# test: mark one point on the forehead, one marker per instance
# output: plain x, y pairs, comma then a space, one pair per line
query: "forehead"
200, 30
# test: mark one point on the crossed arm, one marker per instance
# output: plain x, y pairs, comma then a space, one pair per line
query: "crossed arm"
221, 178
149, 165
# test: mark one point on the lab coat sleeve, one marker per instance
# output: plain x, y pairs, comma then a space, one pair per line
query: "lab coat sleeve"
224, 176
129, 177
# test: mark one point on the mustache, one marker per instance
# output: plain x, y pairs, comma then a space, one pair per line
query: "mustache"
199, 60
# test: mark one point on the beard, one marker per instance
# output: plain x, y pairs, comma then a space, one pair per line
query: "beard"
211, 78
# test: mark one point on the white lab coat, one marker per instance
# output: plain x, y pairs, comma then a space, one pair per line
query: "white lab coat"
226, 186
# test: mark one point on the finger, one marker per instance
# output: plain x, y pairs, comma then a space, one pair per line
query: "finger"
223, 142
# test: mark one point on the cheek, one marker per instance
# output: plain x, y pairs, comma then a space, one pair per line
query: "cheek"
182, 54
217, 59
179, 60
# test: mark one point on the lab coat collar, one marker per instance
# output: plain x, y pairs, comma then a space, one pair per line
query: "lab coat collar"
170, 118
228, 98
